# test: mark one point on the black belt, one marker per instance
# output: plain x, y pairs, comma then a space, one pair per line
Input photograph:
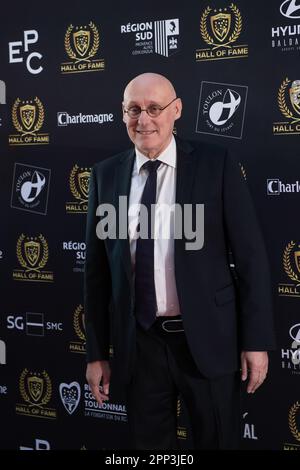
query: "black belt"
169, 324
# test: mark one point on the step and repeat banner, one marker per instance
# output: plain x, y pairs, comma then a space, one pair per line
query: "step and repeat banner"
63, 68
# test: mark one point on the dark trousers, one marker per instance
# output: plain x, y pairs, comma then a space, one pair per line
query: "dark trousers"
164, 368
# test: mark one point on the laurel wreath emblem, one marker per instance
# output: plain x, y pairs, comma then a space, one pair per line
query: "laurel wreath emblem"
287, 263
39, 122
76, 323
25, 395
93, 50
292, 420
21, 258
282, 102
235, 33
73, 188
243, 171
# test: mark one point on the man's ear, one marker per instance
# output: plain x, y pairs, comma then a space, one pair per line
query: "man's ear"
124, 114
178, 108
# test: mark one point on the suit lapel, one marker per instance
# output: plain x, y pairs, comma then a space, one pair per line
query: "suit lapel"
122, 188
185, 172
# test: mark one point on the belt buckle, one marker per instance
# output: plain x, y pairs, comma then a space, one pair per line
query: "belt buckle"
171, 321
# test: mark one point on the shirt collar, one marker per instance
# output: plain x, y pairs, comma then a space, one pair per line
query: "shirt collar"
168, 156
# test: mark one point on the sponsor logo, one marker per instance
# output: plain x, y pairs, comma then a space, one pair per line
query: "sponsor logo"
220, 29
221, 109
2, 352
16, 49
79, 250
30, 188
36, 391
275, 187
65, 119
70, 396
81, 45
294, 426
290, 9
108, 410
2, 92
289, 105
28, 118
291, 266
32, 254
39, 444
79, 186
3, 390
33, 324
154, 37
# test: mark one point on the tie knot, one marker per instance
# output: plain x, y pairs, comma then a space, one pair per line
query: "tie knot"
152, 165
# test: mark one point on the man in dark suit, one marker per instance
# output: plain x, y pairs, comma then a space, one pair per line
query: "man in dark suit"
178, 320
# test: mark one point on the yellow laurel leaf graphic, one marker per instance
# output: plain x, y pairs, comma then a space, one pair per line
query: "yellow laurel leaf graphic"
238, 24
41, 117
45, 252
76, 323
15, 115
287, 262
281, 100
203, 29
23, 392
19, 251
68, 43
292, 420
49, 389
96, 40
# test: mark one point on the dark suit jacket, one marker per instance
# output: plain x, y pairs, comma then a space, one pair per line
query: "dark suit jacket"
221, 317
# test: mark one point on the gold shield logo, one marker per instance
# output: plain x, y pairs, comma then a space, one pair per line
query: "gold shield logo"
82, 41
28, 116
83, 47
289, 265
32, 252
79, 183
35, 387
84, 179
295, 95
223, 30
297, 259
220, 25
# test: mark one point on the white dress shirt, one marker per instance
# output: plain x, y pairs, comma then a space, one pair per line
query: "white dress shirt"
164, 275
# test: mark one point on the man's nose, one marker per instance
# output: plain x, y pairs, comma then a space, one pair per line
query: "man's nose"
143, 117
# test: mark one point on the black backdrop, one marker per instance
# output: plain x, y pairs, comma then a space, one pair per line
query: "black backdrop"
44, 176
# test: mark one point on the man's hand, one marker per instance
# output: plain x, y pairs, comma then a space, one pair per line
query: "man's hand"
98, 372
256, 362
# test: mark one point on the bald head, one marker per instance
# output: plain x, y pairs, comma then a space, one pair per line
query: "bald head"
150, 131
147, 81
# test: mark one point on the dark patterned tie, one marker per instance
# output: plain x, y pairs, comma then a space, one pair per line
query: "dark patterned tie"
145, 297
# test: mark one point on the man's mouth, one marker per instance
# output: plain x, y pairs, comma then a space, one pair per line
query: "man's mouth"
145, 132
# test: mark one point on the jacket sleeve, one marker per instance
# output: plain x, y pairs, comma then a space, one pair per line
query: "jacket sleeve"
97, 283
251, 262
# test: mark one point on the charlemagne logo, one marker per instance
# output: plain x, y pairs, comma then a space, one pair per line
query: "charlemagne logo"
221, 109
291, 266
289, 105
28, 118
220, 28
81, 45
78, 346
30, 188
79, 186
32, 254
159, 37
36, 391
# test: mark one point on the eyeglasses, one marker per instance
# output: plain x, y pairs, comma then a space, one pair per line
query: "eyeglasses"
153, 110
